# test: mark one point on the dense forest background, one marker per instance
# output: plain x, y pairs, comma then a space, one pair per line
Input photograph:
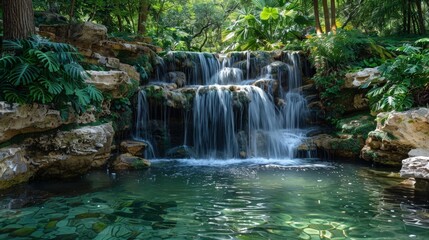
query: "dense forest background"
217, 25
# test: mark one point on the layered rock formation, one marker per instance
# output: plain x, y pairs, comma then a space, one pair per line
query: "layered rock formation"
396, 134
16, 119
60, 154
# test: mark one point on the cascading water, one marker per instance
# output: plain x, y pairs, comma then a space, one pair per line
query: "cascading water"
232, 117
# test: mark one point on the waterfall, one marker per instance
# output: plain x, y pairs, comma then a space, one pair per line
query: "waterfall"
244, 104
214, 128
141, 131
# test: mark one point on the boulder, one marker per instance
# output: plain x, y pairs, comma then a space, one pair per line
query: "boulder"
179, 78
116, 83
135, 148
130, 70
30, 118
181, 152
397, 133
418, 152
71, 153
344, 146
415, 167
357, 79
129, 162
88, 33
14, 167
418, 168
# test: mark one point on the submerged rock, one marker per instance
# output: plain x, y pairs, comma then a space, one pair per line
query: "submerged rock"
396, 134
129, 162
135, 148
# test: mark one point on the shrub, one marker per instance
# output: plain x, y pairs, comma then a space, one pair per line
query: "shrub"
405, 75
37, 70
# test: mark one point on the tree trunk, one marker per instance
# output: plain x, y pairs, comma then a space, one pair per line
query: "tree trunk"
326, 15
420, 17
317, 18
333, 17
18, 19
143, 13
120, 24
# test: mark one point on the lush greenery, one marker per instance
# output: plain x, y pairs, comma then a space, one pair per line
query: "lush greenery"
213, 25
37, 70
405, 80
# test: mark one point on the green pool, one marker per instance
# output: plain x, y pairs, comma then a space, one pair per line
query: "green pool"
220, 199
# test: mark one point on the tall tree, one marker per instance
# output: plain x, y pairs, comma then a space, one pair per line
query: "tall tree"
143, 14
18, 19
316, 17
326, 16
333, 17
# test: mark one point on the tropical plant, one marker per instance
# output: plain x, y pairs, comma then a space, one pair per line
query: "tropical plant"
266, 25
37, 70
404, 75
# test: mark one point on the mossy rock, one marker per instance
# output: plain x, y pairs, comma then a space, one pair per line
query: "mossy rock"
358, 125
22, 232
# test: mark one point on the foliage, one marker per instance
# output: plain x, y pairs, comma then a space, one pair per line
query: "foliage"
267, 25
404, 75
37, 70
336, 54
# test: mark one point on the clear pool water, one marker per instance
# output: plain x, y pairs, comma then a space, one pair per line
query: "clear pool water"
235, 199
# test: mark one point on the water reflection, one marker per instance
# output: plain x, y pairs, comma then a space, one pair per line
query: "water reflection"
184, 200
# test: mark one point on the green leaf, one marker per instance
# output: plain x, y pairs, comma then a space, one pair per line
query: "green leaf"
23, 74
75, 71
8, 61
83, 97
269, 12
47, 59
38, 94
52, 86
9, 45
94, 93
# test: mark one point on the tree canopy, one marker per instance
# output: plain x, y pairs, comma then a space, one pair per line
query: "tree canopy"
215, 25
